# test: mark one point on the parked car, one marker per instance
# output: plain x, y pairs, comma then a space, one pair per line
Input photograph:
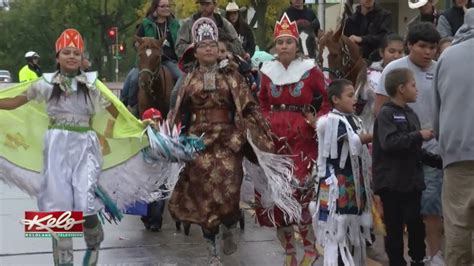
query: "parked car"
5, 76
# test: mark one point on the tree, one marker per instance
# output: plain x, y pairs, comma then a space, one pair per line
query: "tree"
35, 25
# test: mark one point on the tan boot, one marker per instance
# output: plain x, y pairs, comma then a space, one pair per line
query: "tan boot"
229, 247
309, 259
290, 260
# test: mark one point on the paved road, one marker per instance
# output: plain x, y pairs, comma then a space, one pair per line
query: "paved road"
129, 244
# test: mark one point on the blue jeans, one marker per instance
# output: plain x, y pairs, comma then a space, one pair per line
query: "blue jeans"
129, 94
431, 196
173, 68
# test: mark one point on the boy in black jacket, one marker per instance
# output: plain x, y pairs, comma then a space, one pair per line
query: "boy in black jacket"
397, 167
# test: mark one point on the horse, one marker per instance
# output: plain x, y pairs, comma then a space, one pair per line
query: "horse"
345, 61
307, 40
155, 82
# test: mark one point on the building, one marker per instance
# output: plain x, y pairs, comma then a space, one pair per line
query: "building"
402, 14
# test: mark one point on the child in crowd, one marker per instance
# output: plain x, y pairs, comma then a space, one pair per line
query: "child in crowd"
343, 216
244, 68
391, 49
153, 220
397, 167
223, 49
443, 44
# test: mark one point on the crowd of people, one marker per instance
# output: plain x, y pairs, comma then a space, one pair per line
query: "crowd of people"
317, 166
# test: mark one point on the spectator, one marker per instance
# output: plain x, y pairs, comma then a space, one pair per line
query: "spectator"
243, 29
427, 9
31, 70
422, 40
206, 9
453, 127
85, 64
443, 44
368, 26
398, 173
391, 49
307, 22
450, 20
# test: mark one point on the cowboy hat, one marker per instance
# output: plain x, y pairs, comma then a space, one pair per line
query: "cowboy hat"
415, 4
232, 7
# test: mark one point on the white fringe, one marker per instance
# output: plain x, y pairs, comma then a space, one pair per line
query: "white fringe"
278, 170
342, 232
131, 181
339, 236
139, 180
26, 180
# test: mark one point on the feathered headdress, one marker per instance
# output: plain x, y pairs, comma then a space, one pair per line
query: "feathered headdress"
204, 29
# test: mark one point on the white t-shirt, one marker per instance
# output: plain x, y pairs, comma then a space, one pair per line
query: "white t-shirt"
424, 85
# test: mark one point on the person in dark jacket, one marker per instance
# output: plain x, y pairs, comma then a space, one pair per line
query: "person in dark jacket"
243, 29
308, 23
451, 20
368, 26
397, 167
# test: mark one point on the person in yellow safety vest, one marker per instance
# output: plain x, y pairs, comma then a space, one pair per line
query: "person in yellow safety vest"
31, 70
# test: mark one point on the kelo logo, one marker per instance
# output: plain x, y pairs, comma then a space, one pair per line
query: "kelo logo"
55, 224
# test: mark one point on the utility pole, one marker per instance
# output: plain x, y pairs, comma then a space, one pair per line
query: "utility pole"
113, 35
322, 14
116, 55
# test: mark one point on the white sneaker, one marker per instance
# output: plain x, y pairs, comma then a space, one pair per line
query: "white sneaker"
437, 260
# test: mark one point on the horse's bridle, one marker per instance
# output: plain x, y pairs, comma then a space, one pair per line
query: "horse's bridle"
154, 76
348, 65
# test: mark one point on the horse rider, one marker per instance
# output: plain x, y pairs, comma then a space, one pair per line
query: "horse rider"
206, 9
307, 22
427, 9
368, 26
232, 13
159, 23
31, 70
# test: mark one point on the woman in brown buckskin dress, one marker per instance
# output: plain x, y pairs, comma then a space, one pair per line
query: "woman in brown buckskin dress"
215, 102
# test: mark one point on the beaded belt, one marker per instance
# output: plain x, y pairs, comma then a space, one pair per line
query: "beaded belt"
214, 115
289, 107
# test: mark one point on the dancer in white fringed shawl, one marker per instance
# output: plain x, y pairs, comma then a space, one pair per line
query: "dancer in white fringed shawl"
343, 218
89, 133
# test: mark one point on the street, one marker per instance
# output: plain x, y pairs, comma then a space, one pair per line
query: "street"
128, 243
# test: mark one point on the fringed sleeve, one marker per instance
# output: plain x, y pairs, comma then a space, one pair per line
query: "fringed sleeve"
275, 183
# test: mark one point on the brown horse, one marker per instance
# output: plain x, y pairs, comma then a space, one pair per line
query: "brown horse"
345, 61
154, 81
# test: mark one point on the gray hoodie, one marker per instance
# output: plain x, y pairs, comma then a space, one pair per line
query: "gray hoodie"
453, 97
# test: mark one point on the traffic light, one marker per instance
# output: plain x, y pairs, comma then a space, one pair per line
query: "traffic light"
112, 33
121, 48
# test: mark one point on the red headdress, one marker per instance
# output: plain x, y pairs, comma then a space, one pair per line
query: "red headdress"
285, 27
70, 38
